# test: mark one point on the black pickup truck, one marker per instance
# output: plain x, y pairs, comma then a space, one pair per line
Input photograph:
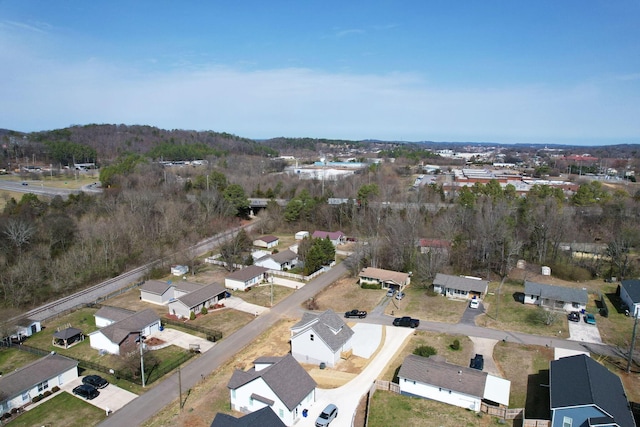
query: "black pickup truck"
406, 321
356, 313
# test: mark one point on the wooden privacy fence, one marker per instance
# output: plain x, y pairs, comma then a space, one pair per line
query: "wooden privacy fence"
536, 423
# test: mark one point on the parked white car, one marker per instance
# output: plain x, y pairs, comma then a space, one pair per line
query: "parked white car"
474, 303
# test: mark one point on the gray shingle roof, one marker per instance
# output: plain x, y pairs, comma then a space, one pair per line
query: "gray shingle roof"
203, 294
328, 326
633, 289
155, 287
556, 293
284, 256
461, 283
264, 417
247, 273
437, 372
22, 379
187, 287
67, 333
579, 380
115, 314
117, 332
286, 378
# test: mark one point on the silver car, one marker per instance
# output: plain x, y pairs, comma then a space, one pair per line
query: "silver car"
327, 415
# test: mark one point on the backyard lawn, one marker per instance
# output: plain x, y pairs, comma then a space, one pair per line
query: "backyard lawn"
12, 359
62, 410
261, 295
345, 294
423, 304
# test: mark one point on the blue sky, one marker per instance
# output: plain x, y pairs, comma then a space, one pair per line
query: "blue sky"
503, 71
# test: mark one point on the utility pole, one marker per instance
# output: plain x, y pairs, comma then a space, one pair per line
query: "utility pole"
633, 339
142, 358
180, 387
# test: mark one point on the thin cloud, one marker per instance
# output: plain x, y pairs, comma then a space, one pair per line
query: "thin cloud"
345, 33
37, 28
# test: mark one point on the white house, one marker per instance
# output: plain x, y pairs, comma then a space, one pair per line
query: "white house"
279, 261
121, 337
25, 383
245, 278
266, 242
555, 297
278, 382
107, 315
179, 270
156, 292
336, 237
433, 378
460, 286
387, 279
301, 235
206, 296
26, 327
630, 295
320, 338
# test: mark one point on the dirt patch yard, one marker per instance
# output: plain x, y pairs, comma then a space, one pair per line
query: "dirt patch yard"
345, 294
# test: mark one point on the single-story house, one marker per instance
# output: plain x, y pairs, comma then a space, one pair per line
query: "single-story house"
123, 336
278, 382
157, 292
206, 296
460, 286
266, 242
585, 393
387, 279
179, 270
106, 315
434, 246
66, 338
26, 327
245, 278
25, 383
630, 295
264, 417
555, 297
183, 287
320, 338
301, 235
279, 261
433, 378
336, 237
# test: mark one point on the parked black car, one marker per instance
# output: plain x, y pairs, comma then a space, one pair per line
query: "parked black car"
477, 362
95, 380
356, 313
87, 391
406, 321
574, 316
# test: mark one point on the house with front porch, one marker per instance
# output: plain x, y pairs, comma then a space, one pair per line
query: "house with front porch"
241, 280
555, 297
277, 382
387, 279
463, 287
206, 296
17, 388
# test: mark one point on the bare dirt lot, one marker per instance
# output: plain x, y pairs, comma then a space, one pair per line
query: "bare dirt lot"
345, 294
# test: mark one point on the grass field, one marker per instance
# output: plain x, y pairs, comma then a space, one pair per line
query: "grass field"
63, 410
12, 359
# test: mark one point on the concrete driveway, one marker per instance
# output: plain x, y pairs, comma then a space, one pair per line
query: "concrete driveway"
112, 396
583, 332
181, 339
484, 346
241, 305
347, 397
366, 339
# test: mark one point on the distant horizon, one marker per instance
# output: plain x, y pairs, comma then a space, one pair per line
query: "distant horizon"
545, 72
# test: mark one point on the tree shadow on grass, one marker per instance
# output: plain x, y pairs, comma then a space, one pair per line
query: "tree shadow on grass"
537, 404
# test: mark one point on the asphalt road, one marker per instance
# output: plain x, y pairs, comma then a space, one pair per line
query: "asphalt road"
151, 402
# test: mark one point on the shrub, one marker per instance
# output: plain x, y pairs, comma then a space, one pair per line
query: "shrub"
55, 389
425, 351
192, 316
48, 393
455, 345
204, 310
6, 416
370, 286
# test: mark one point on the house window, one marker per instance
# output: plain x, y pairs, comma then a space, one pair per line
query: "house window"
280, 413
25, 396
251, 401
43, 386
233, 394
311, 337
575, 305
567, 422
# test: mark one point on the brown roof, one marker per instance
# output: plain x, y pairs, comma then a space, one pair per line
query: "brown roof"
268, 239
437, 372
385, 275
205, 293
285, 377
247, 273
23, 379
